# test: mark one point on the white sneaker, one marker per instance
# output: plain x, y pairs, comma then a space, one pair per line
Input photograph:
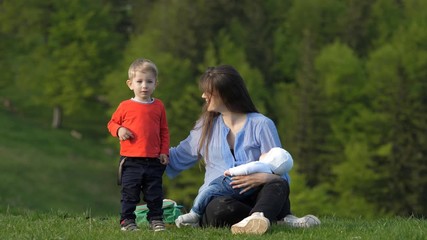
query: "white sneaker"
303, 222
254, 224
190, 219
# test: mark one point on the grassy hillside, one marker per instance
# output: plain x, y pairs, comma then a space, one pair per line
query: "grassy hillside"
44, 169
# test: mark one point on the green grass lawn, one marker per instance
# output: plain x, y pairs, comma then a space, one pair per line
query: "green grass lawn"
59, 225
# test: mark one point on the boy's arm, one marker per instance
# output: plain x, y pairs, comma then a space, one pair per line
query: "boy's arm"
164, 133
114, 125
164, 159
115, 122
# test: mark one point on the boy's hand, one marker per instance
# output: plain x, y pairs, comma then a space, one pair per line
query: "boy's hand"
124, 134
164, 159
227, 173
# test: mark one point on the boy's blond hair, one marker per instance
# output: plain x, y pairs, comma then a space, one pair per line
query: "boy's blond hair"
142, 65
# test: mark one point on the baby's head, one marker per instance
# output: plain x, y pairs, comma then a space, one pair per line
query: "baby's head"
279, 160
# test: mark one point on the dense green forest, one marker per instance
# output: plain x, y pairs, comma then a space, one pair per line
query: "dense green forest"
344, 81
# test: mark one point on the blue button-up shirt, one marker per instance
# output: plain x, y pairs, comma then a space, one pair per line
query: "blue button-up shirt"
257, 136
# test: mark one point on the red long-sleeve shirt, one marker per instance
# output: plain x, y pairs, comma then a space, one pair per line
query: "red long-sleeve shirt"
147, 122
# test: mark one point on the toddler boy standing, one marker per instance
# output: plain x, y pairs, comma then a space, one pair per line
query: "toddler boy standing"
141, 126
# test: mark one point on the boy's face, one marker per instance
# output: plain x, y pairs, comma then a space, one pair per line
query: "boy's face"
143, 85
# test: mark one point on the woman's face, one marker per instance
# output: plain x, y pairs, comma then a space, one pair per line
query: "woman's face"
214, 102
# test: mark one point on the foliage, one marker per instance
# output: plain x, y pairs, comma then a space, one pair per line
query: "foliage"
66, 49
395, 73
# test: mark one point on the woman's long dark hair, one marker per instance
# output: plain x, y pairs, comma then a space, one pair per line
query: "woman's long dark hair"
226, 82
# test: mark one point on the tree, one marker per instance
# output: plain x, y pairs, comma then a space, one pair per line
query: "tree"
343, 79
70, 46
22, 29
310, 25
398, 100
357, 25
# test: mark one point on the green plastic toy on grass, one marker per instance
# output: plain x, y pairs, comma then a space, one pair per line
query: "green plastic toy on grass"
171, 211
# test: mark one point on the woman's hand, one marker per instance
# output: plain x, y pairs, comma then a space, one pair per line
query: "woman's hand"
247, 182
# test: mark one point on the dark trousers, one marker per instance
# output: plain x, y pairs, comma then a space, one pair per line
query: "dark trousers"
220, 186
142, 175
272, 199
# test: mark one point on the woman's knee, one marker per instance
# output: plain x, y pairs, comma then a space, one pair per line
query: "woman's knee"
224, 211
277, 186
221, 207
278, 182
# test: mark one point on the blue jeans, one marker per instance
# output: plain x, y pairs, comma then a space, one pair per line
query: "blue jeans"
217, 188
142, 175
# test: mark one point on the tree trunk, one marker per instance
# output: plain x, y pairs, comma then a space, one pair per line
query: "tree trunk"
57, 117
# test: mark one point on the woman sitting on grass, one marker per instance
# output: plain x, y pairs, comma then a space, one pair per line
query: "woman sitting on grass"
230, 133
